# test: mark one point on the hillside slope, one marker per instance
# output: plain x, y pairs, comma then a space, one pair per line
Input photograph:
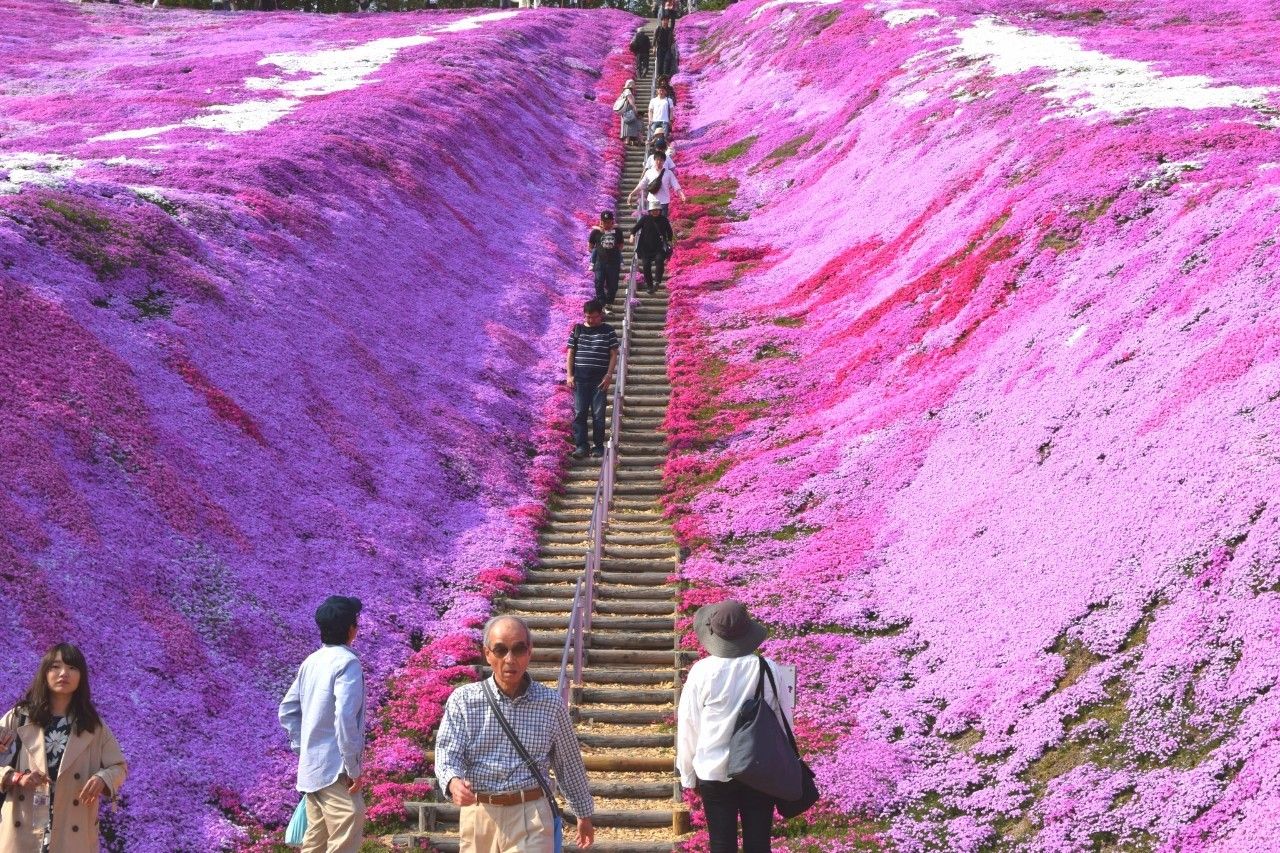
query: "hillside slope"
282, 298
976, 326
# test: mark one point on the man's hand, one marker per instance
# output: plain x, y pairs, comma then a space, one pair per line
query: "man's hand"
460, 792
355, 786
568, 380
92, 789
586, 833
604, 385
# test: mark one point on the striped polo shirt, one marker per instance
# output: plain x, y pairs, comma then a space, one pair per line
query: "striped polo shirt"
591, 346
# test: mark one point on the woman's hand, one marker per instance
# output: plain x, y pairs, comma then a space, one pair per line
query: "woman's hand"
6, 739
28, 780
92, 789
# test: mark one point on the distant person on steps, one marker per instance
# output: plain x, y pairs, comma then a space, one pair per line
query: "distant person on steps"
642, 48
589, 366
605, 243
664, 43
657, 182
653, 238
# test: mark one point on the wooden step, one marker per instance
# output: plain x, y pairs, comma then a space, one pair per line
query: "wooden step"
611, 696
599, 675
627, 741
609, 716
448, 813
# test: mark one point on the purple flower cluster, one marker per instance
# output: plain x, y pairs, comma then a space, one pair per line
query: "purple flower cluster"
975, 340
283, 298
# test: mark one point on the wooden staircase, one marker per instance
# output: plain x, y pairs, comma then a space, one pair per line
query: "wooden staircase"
625, 706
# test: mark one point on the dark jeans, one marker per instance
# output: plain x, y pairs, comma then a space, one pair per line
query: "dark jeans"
642, 65
649, 262
666, 64
607, 282
724, 803
588, 397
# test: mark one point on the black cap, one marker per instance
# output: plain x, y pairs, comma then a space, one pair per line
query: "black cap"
338, 614
606, 214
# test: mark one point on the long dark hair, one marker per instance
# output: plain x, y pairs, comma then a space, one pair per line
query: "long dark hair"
37, 702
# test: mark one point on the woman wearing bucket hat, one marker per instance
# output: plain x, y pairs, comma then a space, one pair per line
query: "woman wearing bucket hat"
716, 689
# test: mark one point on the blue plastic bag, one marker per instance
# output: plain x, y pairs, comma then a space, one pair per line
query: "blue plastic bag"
297, 824
558, 823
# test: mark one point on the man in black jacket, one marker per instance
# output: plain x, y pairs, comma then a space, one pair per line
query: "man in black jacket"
653, 238
664, 42
605, 242
641, 47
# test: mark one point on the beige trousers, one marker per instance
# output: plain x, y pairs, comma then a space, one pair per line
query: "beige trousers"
518, 828
335, 820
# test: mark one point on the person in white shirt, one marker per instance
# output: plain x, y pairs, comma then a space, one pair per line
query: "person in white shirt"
661, 110
323, 712
715, 691
660, 144
665, 181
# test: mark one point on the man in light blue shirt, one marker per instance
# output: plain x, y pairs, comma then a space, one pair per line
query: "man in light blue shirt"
323, 712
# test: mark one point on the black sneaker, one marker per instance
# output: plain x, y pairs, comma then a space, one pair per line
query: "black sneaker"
597, 453
579, 452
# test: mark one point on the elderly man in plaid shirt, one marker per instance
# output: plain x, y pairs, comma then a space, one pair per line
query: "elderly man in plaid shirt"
503, 807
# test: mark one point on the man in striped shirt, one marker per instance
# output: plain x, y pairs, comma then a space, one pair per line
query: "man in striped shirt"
593, 355
503, 806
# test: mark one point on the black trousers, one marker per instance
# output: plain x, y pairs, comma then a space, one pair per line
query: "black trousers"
666, 63
606, 276
725, 803
648, 263
642, 65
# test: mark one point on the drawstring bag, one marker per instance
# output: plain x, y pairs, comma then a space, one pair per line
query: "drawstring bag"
297, 824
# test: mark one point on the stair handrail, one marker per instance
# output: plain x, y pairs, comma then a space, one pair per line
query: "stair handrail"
580, 616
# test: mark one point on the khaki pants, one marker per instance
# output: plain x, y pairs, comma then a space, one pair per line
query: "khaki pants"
335, 820
518, 828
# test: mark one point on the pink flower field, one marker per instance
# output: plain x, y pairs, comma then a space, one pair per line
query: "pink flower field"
283, 299
974, 339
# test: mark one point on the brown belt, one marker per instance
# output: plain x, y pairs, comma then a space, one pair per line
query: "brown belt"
510, 799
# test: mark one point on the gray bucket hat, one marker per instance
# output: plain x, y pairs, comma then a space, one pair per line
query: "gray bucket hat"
727, 630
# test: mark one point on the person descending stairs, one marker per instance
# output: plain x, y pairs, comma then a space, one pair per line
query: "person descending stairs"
625, 707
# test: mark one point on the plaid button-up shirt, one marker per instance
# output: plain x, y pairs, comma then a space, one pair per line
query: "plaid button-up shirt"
471, 744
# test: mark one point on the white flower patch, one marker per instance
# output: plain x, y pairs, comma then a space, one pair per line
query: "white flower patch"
338, 69
898, 17
774, 3
1074, 337
474, 21
20, 168
1090, 81
1166, 174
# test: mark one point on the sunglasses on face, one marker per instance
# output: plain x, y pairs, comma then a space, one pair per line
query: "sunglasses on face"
501, 651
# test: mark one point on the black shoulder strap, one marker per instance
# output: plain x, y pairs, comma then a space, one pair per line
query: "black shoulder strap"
524, 753
766, 671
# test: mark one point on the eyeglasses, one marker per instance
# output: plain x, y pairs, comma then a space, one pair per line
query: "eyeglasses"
501, 651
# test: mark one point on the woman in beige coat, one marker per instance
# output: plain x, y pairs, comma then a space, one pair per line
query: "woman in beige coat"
59, 760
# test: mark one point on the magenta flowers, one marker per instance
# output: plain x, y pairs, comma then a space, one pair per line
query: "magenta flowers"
283, 300
976, 342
